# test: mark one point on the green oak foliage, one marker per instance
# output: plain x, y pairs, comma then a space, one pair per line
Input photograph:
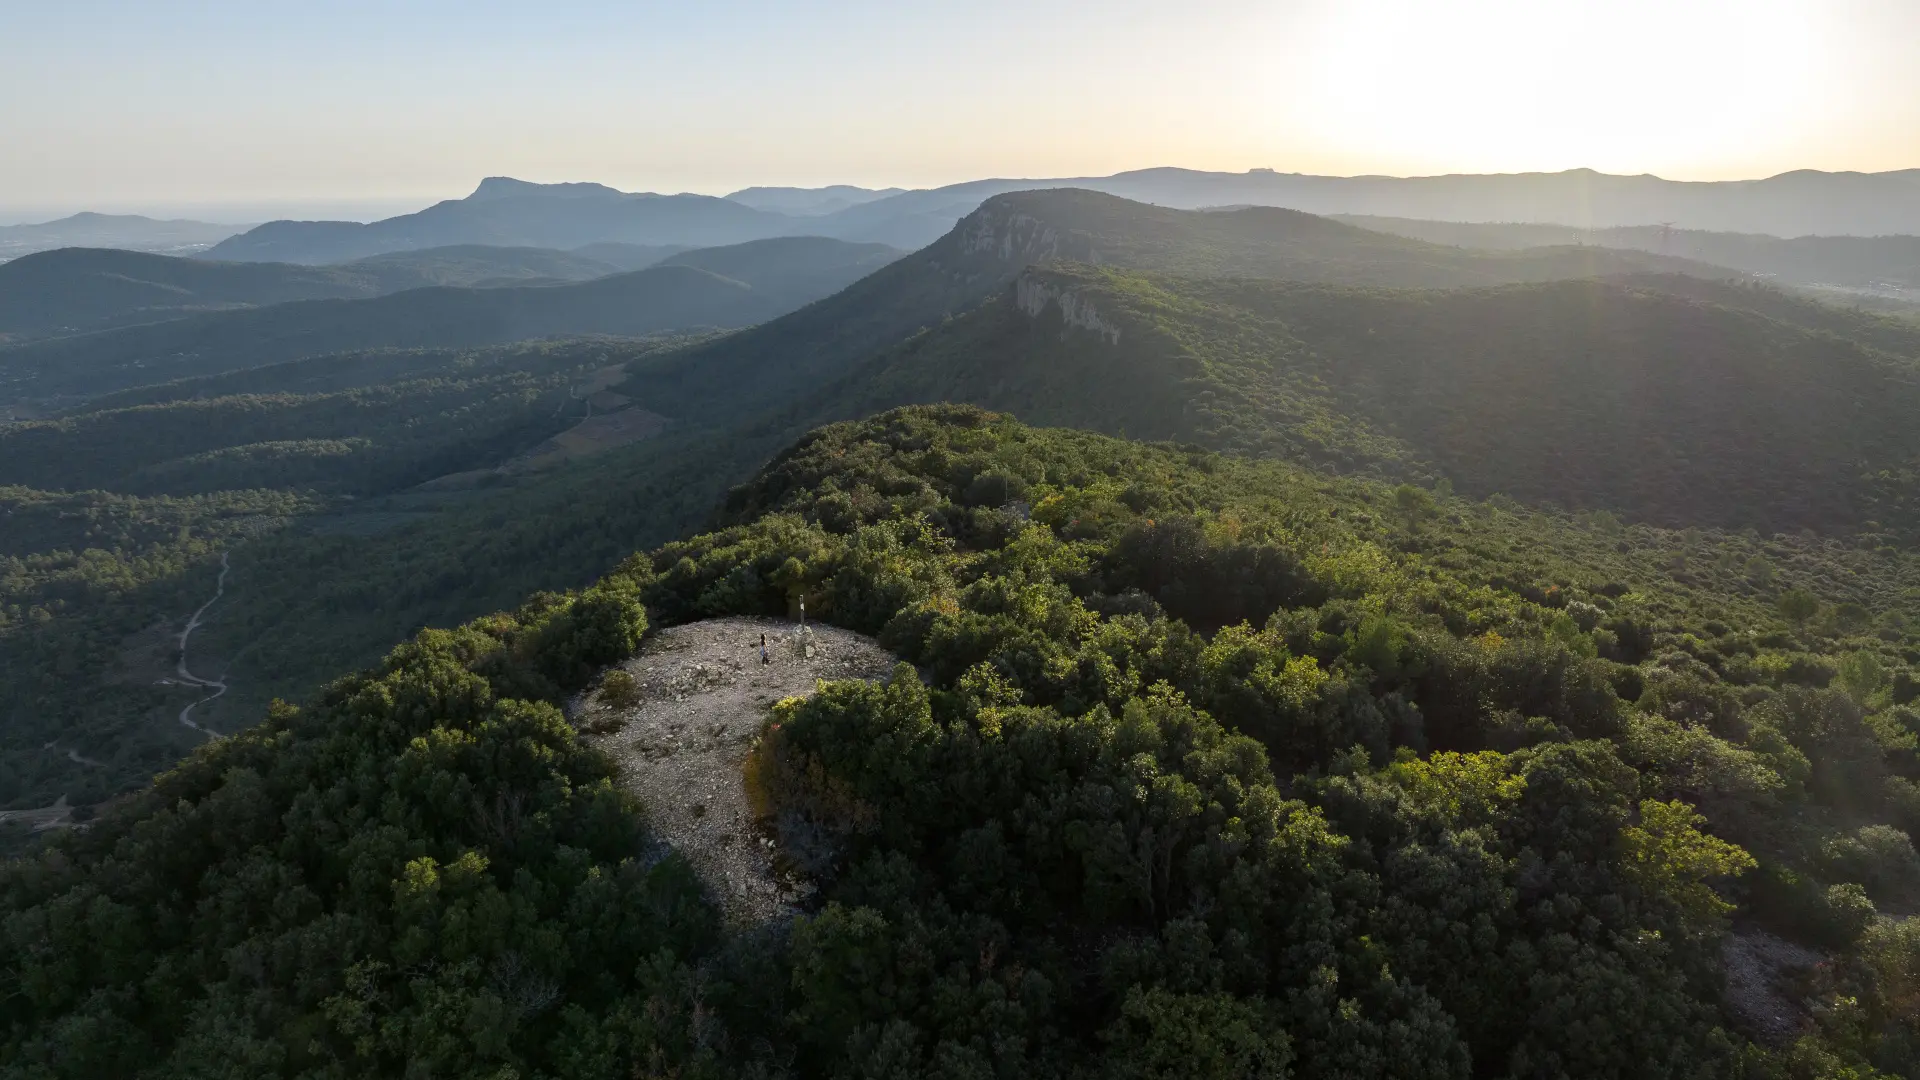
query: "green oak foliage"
1376, 811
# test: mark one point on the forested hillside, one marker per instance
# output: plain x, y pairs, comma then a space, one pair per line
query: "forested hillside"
117, 517
482, 266
1664, 399
1199, 767
791, 357
73, 290
1270, 369
790, 269
77, 289
635, 304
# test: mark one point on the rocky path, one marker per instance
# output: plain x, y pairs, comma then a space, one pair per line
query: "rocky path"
218, 685
702, 698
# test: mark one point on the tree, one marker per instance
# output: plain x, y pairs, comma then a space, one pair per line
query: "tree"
1861, 675
1851, 617
1796, 605
1414, 505
1668, 854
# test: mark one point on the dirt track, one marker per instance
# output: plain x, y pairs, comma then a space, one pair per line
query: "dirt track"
217, 685
703, 697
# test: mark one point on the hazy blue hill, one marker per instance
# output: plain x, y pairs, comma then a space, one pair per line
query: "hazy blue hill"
513, 213
981, 255
1883, 265
789, 269
314, 242
643, 302
806, 202
1621, 395
914, 219
113, 231
480, 266
760, 281
629, 256
1792, 204
74, 289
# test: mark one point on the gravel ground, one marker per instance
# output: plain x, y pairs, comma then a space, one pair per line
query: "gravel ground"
1762, 971
702, 698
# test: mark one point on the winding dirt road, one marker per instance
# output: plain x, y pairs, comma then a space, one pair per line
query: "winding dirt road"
219, 685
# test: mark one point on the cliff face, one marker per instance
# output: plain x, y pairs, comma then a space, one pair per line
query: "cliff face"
1000, 230
1033, 293
1015, 243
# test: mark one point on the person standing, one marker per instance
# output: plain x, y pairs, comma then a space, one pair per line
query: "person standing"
764, 658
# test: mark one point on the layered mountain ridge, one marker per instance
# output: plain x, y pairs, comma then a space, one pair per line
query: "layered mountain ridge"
506, 211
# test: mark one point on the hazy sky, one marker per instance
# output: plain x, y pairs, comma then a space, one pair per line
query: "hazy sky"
157, 104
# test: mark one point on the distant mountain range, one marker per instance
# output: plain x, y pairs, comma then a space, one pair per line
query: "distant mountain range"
77, 290
715, 288
810, 202
129, 231
512, 213
73, 290
1886, 266
982, 256
503, 212
507, 212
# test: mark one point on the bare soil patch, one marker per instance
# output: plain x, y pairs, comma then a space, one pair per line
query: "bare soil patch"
1766, 976
700, 698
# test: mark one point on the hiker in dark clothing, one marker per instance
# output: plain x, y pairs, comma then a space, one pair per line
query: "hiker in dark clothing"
764, 659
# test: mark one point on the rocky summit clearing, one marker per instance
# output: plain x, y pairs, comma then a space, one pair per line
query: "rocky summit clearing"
700, 697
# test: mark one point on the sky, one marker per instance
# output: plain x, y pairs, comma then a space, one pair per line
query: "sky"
240, 111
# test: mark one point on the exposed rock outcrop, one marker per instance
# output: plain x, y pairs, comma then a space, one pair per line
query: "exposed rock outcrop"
1034, 294
699, 698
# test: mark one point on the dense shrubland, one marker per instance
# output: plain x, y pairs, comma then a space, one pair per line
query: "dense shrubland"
1194, 767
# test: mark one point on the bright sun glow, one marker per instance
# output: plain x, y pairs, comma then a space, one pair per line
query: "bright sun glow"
1508, 85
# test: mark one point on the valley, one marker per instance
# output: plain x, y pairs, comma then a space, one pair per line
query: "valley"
217, 684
